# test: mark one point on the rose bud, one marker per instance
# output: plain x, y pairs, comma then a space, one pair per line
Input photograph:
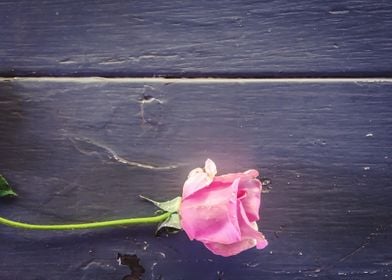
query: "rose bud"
221, 211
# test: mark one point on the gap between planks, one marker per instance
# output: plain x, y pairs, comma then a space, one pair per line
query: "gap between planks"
196, 80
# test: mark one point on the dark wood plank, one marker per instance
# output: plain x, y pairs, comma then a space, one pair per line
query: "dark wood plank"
196, 38
326, 148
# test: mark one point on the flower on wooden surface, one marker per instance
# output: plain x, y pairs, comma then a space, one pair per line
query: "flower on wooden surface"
221, 211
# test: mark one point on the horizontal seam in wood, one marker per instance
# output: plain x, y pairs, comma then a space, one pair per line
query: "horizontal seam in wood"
197, 80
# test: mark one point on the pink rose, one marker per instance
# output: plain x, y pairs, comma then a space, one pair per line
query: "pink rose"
221, 212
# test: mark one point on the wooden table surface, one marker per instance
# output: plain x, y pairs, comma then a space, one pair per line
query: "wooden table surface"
301, 91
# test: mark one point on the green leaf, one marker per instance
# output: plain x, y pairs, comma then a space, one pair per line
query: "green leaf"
170, 206
5, 189
173, 222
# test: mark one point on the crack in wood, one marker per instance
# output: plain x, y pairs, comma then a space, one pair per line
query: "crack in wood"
113, 155
353, 252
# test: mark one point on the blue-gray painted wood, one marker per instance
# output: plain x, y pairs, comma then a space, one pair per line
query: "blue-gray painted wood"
326, 148
196, 38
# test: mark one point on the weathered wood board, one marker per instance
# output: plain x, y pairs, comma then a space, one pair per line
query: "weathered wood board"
196, 38
325, 146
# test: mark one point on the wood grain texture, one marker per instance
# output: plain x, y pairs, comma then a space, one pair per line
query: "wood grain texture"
326, 148
196, 38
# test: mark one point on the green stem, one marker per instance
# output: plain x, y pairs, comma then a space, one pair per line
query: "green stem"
104, 224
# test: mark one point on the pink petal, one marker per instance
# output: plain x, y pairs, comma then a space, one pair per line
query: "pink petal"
251, 172
210, 215
227, 250
251, 201
230, 177
249, 230
250, 238
197, 179
251, 186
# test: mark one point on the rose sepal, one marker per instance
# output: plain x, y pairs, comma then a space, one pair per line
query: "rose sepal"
5, 189
171, 206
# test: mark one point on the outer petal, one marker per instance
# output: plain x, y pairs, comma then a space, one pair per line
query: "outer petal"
250, 238
210, 168
230, 177
227, 250
250, 229
252, 172
210, 215
197, 179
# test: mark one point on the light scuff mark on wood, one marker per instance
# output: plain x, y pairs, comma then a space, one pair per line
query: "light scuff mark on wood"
111, 154
147, 99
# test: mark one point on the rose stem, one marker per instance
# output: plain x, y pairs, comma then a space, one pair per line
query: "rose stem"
111, 223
